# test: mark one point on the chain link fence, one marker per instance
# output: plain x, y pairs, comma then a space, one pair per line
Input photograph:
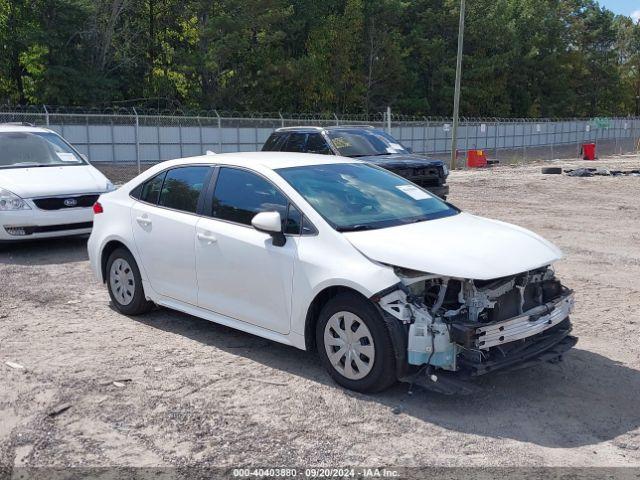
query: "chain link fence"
124, 141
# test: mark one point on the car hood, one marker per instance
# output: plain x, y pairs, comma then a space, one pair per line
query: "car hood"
461, 246
49, 181
402, 160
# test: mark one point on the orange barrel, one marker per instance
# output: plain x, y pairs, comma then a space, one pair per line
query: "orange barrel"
476, 159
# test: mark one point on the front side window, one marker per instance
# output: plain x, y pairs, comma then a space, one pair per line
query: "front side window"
360, 196
317, 144
36, 149
364, 143
181, 188
239, 195
295, 143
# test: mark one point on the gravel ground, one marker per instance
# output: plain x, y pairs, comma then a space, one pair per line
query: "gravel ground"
189, 392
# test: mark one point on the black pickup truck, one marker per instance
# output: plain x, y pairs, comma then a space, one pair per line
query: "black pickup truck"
365, 143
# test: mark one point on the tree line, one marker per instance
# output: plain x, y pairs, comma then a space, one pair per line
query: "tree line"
522, 58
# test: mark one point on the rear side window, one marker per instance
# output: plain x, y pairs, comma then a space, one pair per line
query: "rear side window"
182, 187
239, 195
274, 142
151, 189
295, 143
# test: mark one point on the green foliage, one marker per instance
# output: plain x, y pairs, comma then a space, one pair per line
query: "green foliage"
521, 57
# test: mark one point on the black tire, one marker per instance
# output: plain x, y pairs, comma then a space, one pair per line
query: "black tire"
552, 170
138, 304
382, 374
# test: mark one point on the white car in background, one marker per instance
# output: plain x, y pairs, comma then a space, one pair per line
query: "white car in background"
385, 280
47, 188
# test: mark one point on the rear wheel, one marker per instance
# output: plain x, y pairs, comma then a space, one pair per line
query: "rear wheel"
125, 284
354, 344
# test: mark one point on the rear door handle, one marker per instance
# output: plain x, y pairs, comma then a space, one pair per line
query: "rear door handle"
143, 221
206, 237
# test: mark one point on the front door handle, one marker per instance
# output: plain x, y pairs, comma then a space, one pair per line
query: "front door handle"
144, 221
207, 237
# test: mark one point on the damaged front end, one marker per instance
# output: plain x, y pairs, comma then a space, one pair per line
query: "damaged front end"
473, 327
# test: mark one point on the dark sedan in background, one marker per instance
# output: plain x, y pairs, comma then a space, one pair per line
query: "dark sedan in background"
365, 143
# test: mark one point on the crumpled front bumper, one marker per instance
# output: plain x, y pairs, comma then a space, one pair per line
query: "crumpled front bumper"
540, 334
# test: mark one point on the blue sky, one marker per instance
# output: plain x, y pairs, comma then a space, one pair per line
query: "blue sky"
624, 7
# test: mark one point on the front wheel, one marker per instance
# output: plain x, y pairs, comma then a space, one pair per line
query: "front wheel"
354, 344
125, 284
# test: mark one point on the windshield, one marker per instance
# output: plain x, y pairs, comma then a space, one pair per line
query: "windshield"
360, 143
360, 196
35, 149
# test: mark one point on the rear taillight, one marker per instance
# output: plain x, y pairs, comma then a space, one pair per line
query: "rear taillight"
97, 208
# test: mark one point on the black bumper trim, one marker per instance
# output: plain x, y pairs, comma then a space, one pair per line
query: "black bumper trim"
442, 191
30, 230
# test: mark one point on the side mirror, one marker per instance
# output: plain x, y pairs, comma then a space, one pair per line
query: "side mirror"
271, 223
409, 149
84, 157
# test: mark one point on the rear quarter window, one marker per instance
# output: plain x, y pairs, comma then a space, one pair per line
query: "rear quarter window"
151, 189
136, 192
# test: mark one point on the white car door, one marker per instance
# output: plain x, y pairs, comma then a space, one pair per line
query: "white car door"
241, 274
164, 229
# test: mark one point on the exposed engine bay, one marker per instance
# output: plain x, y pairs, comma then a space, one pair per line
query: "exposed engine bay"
478, 326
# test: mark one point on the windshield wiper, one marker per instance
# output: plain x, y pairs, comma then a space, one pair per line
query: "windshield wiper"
369, 155
356, 228
26, 165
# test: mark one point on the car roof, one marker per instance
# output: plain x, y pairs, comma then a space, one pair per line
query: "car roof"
18, 127
310, 128
267, 160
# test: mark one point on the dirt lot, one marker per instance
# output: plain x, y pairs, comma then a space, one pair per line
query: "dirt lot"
192, 392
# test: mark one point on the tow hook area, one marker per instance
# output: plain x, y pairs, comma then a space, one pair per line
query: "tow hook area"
464, 383
445, 383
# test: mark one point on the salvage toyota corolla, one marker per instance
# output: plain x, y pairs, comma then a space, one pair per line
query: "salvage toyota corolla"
382, 278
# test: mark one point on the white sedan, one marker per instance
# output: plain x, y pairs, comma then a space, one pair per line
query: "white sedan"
383, 279
47, 188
